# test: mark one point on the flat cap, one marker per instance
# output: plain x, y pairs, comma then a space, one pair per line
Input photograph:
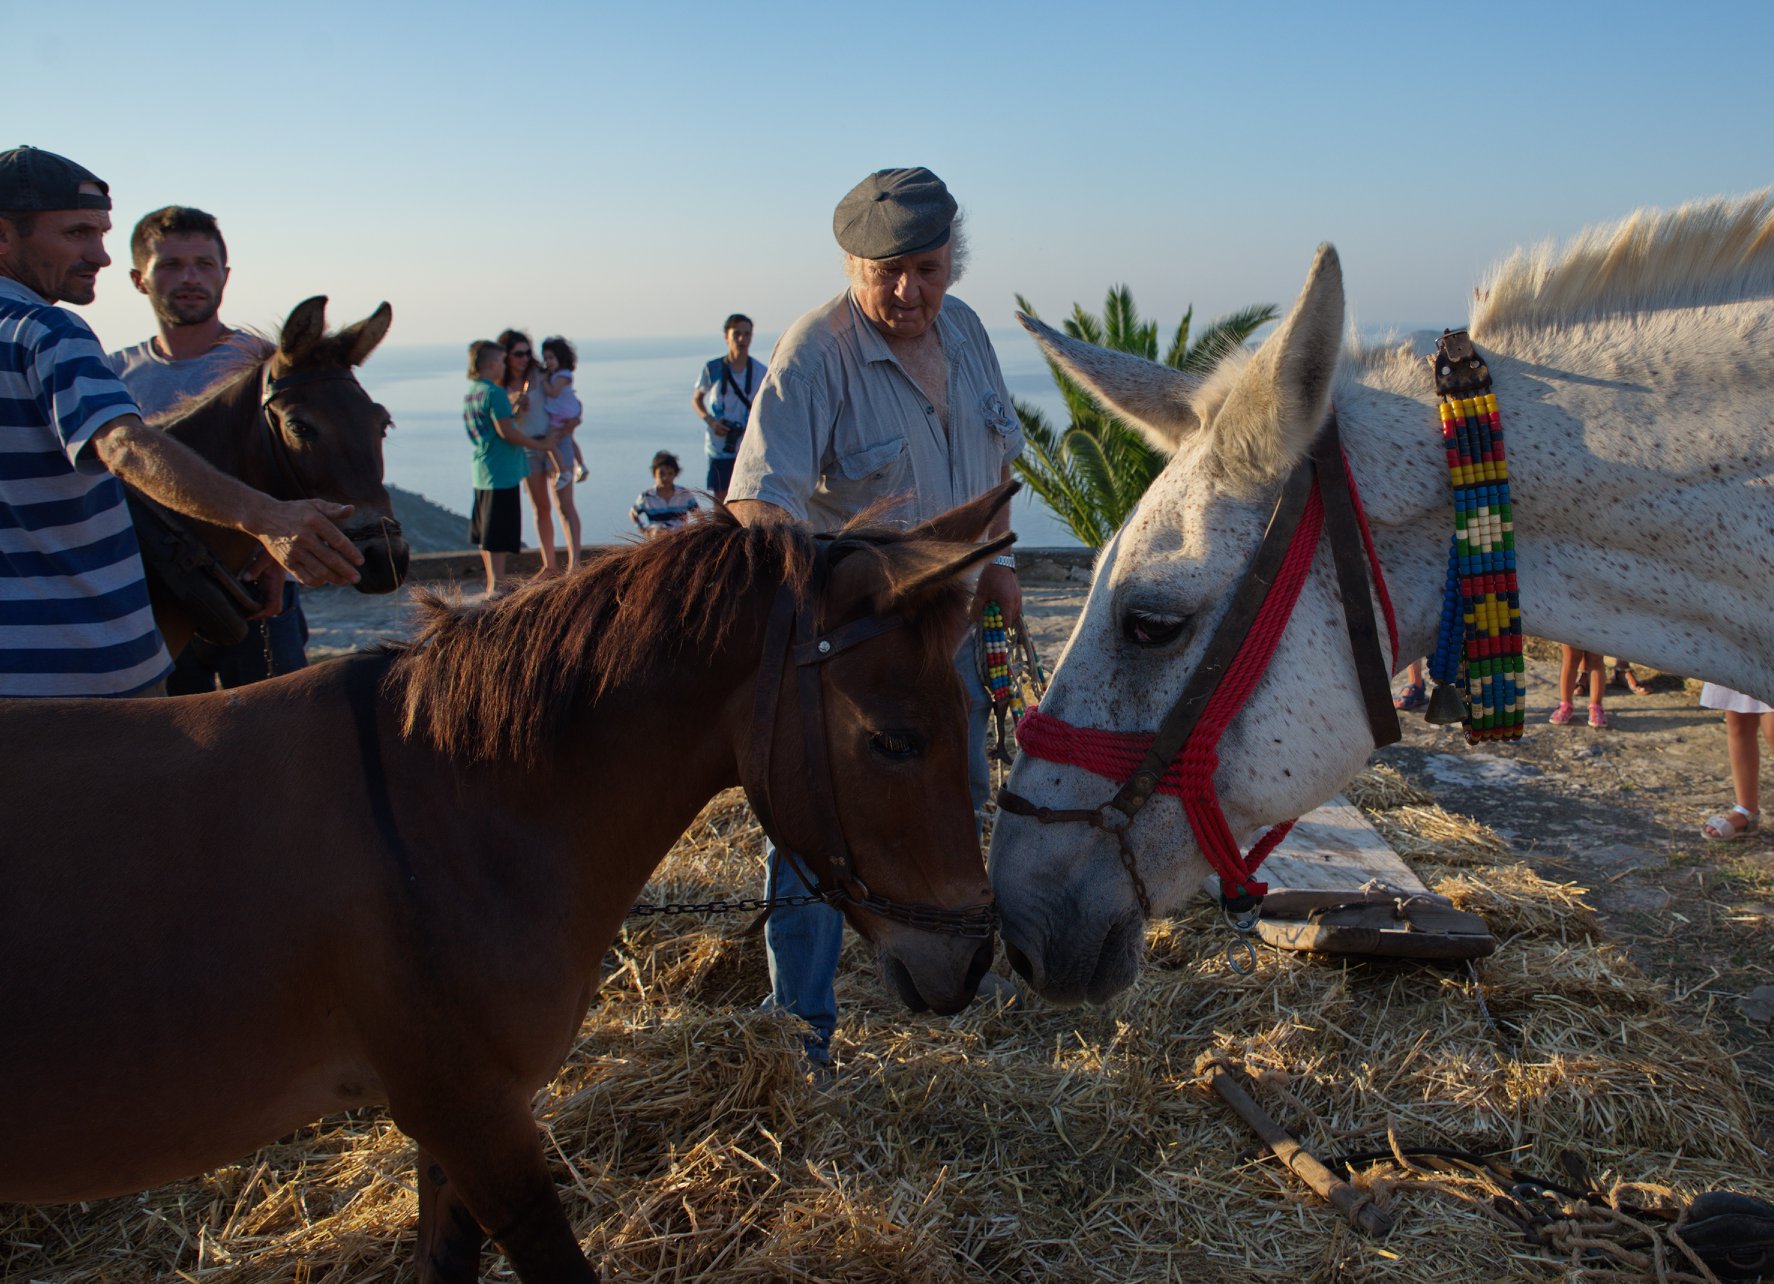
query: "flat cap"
894, 212
32, 180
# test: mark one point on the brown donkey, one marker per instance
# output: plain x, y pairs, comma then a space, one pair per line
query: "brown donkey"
400, 871
295, 424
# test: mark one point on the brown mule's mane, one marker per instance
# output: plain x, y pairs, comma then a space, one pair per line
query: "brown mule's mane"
501, 683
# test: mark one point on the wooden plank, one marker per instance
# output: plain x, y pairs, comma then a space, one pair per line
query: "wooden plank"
1332, 847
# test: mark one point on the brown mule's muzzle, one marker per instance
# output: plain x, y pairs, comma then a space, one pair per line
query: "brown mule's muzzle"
385, 556
934, 973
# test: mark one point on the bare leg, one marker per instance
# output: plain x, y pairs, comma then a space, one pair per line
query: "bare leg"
563, 499
1598, 676
450, 1240
1567, 672
495, 568
1746, 756
1567, 677
539, 487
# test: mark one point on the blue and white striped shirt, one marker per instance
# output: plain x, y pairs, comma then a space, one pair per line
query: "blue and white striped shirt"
654, 511
74, 613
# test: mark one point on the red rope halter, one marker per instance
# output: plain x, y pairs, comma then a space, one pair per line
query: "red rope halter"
1116, 755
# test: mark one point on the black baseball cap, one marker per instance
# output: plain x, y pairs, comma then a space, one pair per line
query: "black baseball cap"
32, 180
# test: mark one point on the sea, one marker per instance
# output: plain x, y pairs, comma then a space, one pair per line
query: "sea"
637, 401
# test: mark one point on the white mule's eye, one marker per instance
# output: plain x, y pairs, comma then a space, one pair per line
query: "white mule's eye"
1149, 628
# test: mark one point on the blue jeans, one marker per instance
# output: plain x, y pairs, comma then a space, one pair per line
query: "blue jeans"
803, 943
202, 665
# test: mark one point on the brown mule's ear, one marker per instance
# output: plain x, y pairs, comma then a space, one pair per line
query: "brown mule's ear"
923, 567
967, 523
305, 328
361, 339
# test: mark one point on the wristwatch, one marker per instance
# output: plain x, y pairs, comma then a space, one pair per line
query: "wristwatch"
1005, 559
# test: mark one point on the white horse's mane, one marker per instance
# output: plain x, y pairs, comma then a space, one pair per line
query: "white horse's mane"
1705, 252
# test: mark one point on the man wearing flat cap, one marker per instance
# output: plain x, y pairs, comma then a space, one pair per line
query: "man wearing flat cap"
890, 391
74, 614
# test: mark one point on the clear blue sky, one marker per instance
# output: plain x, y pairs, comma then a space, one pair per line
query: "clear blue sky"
610, 170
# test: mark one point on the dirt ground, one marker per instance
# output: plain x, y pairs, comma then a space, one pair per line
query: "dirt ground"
1616, 812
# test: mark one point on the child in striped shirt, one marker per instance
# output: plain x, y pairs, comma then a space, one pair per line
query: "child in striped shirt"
666, 506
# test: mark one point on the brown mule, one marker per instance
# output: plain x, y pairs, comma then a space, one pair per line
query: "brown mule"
296, 424
392, 878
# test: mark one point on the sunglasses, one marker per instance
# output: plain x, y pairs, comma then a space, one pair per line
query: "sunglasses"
518, 352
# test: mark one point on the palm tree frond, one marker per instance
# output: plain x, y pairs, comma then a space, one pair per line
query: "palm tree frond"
1092, 474
1226, 334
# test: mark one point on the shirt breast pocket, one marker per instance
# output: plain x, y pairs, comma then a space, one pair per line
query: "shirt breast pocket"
859, 478
999, 419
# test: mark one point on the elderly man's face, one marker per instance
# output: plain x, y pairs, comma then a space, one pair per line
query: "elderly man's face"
902, 296
61, 257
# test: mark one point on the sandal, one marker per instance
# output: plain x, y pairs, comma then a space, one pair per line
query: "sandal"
1598, 717
1562, 714
1724, 828
1411, 697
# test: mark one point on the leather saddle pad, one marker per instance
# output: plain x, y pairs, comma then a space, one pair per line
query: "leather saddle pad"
1381, 923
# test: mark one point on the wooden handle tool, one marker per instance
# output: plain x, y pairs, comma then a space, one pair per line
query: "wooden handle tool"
1360, 1209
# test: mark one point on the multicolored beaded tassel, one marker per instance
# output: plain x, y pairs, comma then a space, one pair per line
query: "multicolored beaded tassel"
1478, 653
996, 642
1012, 674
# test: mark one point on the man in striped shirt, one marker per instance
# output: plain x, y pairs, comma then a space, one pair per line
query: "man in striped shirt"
74, 614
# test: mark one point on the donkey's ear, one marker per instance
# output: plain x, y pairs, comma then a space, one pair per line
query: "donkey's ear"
1279, 400
1154, 398
922, 567
965, 524
305, 328
361, 339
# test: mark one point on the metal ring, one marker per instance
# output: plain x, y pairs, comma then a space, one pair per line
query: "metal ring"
1102, 819
1244, 925
1250, 953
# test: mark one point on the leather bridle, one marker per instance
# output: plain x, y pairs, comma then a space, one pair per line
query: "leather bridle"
381, 527
792, 640
1180, 758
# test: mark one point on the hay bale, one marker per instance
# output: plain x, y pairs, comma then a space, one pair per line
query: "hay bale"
1041, 1144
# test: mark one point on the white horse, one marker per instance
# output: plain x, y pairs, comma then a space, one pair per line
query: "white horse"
1635, 377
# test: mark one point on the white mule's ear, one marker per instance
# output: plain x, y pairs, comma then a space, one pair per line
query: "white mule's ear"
1280, 398
1150, 396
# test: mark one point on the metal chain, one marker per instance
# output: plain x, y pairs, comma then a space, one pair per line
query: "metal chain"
744, 905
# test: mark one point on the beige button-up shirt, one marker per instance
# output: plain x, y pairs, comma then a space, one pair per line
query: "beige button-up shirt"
839, 424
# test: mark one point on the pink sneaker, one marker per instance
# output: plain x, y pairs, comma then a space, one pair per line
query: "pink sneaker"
1598, 716
1562, 714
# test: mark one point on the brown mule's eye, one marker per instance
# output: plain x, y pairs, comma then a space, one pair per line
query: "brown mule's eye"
898, 745
1147, 628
